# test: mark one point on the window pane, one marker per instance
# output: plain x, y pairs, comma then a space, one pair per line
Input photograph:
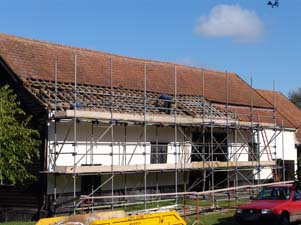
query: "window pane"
159, 153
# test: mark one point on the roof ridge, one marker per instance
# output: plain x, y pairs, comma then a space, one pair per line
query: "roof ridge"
253, 89
267, 90
94, 51
289, 101
279, 92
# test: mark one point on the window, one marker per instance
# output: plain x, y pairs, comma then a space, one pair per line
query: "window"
158, 153
297, 195
274, 193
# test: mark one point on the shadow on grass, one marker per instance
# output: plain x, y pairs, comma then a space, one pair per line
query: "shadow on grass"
226, 221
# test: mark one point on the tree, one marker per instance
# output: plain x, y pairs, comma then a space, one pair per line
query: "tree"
19, 144
295, 97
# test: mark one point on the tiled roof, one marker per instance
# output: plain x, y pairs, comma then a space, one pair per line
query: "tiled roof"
257, 115
36, 59
285, 108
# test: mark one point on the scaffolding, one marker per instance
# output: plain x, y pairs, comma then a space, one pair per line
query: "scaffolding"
209, 139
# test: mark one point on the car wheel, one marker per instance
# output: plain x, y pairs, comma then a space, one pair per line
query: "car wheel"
284, 219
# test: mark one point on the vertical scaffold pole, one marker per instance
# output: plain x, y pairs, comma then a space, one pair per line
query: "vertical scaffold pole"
212, 159
236, 160
203, 132
74, 134
258, 155
124, 144
283, 161
92, 144
227, 98
144, 144
258, 130
112, 132
157, 174
227, 128
252, 137
211, 155
176, 133
55, 134
275, 132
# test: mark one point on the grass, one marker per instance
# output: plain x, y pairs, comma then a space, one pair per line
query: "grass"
223, 203
215, 218
148, 206
201, 203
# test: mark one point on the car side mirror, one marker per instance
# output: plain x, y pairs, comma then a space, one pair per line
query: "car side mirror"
252, 198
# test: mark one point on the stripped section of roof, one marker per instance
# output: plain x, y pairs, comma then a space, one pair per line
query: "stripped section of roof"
121, 100
35, 59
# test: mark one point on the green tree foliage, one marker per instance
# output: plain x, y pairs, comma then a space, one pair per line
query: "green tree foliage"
19, 144
295, 97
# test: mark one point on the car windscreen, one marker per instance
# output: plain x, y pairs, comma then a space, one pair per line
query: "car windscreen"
274, 193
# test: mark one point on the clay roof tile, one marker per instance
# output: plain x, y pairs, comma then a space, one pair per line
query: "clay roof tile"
35, 59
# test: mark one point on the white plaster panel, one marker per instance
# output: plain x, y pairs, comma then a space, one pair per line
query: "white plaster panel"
94, 144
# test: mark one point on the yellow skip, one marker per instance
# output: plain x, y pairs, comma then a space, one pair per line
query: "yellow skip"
50, 221
162, 218
105, 218
82, 219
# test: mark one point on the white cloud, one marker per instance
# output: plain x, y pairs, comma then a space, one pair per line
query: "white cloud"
193, 62
188, 62
231, 21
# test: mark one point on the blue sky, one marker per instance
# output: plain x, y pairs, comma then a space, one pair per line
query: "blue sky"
243, 36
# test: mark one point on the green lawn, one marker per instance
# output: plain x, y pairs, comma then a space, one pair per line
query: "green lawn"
223, 203
215, 218
201, 203
18, 223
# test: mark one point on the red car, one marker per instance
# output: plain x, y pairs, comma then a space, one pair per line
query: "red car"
273, 205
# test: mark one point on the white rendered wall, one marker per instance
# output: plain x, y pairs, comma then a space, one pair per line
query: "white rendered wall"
281, 147
132, 152
123, 154
238, 149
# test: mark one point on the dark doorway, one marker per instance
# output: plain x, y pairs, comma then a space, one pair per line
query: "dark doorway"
205, 144
88, 182
289, 166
